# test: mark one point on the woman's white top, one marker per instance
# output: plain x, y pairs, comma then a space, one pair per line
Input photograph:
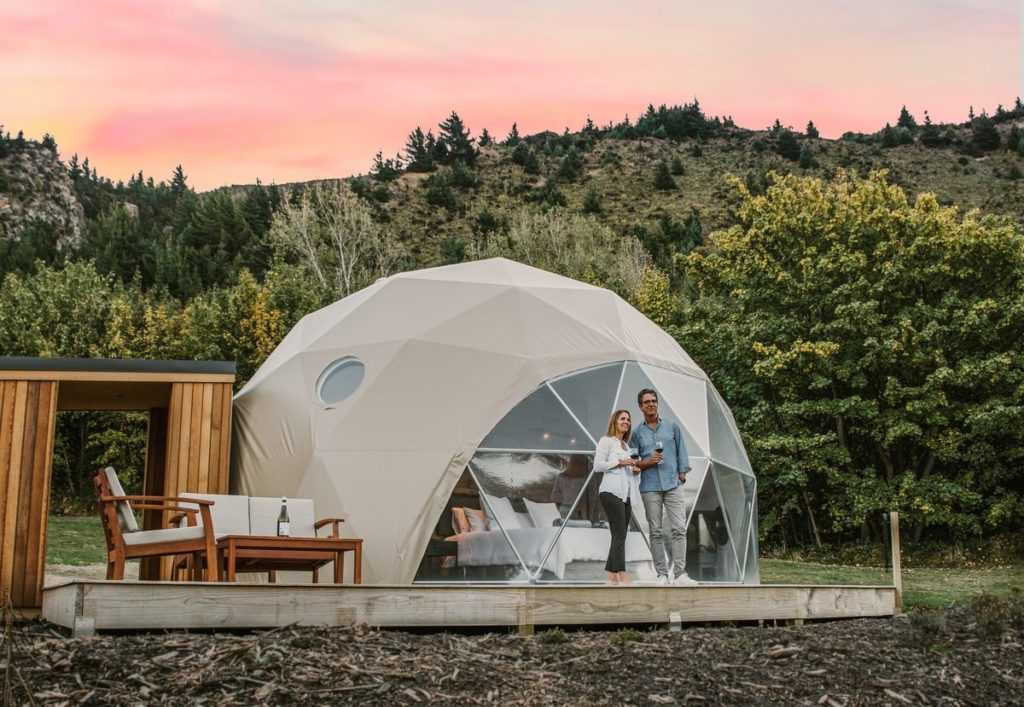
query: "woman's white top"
618, 480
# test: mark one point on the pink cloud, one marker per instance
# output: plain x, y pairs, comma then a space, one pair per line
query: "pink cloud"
287, 91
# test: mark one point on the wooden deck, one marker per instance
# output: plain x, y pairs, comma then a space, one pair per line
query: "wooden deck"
85, 606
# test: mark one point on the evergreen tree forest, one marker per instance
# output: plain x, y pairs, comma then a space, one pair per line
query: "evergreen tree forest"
867, 333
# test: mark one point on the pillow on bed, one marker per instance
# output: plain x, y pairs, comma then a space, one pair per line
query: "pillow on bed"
460, 524
477, 520
543, 515
501, 510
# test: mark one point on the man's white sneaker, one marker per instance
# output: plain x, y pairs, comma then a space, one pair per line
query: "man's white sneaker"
683, 580
662, 580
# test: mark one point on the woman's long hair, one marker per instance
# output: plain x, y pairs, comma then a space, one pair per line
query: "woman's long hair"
612, 426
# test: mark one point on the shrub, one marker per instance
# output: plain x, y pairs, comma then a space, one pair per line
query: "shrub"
592, 202
676, 167
439, 191
463, 177
662, 178
627, 635
548, 194
553, 636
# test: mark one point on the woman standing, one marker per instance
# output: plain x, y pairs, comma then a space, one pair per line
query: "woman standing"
618, 489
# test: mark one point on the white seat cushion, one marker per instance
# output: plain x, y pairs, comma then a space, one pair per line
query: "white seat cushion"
164, 535
230, 514
263, 514
124, 509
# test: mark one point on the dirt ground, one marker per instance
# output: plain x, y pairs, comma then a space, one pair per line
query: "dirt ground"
937, 659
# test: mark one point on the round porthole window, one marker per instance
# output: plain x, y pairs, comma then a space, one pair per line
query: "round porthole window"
339, 380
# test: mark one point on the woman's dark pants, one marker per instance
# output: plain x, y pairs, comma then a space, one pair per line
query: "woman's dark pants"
618, 514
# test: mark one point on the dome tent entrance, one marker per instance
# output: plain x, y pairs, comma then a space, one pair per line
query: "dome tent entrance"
439, 366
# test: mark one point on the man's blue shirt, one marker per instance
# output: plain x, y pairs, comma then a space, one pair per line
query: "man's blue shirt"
675, 460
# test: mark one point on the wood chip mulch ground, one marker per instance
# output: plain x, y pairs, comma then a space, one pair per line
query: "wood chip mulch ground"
943, 660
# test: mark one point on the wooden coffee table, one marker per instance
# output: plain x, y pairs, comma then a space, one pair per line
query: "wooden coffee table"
268, 553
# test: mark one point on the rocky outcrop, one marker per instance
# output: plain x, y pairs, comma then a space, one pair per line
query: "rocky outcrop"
35, 189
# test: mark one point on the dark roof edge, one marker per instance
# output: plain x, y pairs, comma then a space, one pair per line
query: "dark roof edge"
114, 365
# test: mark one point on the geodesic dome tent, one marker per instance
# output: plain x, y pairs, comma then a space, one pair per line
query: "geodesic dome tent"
451, 414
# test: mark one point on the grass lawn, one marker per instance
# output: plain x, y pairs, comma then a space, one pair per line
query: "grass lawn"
923, 586
78, 540
75, 540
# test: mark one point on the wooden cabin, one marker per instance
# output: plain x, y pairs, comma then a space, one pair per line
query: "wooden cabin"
188, 445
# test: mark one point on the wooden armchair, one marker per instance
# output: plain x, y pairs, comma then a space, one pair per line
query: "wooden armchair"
125, 541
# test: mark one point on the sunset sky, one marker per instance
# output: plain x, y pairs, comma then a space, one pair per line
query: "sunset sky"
286, 90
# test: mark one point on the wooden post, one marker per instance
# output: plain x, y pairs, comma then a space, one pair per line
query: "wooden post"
897, 574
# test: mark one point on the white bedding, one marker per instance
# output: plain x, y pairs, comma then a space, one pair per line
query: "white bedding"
575, 545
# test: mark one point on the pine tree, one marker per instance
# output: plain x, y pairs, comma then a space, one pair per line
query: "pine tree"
906, 120
49, 143
386, 170
513, 136
984, 135
776, 127
570, 166
454, 134
663, 178
1020, 147
485, 138
676, 166
970, 113
889, 137
811, 131
806, 158
694, 231
418, 151
787, 146
1013, 138
525, 157
930, 136
179, 183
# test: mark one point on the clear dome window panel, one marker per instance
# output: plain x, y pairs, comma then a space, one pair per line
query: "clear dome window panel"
737, 493
591, 396
530, 494
752, 568
694, 484
725, 442
465, 546
634, 380
686, 397
580, 549
710, 555
539, 422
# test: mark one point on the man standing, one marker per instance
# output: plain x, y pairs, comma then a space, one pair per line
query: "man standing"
664, 464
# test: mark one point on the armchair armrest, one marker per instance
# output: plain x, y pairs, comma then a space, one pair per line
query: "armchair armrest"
176, 499
333, 522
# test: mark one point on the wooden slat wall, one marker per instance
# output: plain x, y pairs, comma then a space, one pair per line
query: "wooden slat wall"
198, 439
28, 412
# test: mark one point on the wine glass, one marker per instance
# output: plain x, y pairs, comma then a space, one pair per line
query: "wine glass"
634, 454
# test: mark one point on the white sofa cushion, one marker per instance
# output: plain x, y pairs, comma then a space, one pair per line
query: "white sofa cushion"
164, 535
263, 514
124, 509
543, 515
230, 514
501, 509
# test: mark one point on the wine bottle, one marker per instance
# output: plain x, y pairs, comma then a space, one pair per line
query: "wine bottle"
283, 523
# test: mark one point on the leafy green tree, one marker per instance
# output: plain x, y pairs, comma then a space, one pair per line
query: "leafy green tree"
811, 130
870, 368
906, 120
787, 145
663, 180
